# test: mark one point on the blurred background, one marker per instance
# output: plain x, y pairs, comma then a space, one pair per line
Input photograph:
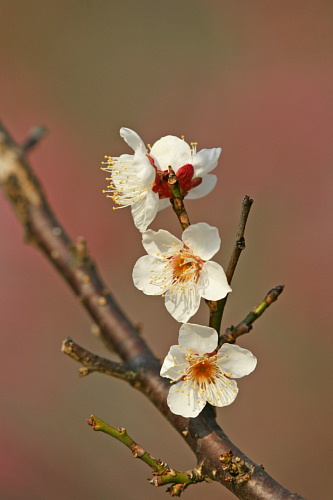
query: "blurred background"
252, 77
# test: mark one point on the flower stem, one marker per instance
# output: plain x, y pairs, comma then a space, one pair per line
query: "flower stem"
177, 199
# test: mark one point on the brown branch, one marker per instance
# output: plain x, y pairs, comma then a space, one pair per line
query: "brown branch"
240, 240
93, 363
216, 308
72, 261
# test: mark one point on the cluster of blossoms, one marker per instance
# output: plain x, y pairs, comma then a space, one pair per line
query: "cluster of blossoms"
180, 270
139, 180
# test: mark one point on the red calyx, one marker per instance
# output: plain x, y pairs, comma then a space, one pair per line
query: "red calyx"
184, 176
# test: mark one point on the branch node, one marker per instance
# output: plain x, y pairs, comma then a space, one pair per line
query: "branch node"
240, 244
176, 489
137, 451
92, 423
239, 471
84, 371
80, 251
273, 294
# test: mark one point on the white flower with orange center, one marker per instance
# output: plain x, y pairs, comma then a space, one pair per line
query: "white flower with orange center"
181, 270
199, 374
140, 180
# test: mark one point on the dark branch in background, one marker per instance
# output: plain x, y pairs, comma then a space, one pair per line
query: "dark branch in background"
36, 134
72, 261
216, 308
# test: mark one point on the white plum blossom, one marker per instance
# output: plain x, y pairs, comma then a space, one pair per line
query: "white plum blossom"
180, 270
140, 180
200, 374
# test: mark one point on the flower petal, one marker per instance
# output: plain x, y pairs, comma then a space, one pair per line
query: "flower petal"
205, 161
133, 140
160, 242
201, 339
207, 185
222, 393
183, 305
145, 210
202, 239
171, 151
236, 360
121, 164
175, 364
146, 267
185, 401
143, 169
213, 284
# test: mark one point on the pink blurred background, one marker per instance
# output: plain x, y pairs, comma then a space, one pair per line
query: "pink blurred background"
252, 77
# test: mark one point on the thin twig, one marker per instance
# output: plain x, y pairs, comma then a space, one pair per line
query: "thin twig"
216, 308
231, 334
240, 240
163, 474
93, 363
35, 135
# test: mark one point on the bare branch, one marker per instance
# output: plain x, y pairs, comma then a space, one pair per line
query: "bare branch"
216, 308
231, 334
240, 240
93, 363
36, 134
71, 260
163, 474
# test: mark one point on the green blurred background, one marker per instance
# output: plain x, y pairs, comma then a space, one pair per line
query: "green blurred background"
254, 77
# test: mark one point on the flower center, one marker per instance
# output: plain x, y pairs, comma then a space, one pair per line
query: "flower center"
202, 370
180, 272
186, 267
